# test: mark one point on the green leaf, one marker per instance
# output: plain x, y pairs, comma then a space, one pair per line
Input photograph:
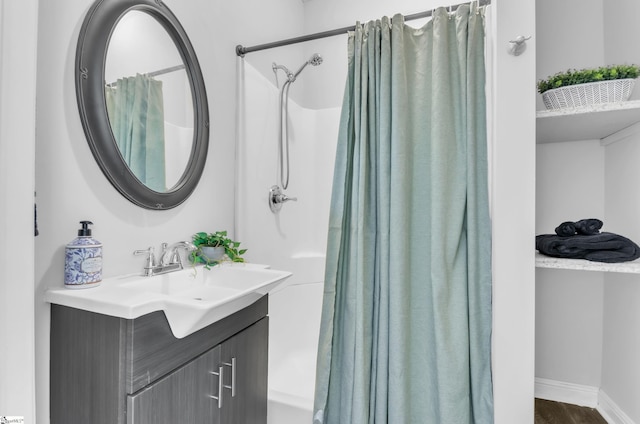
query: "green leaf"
572, 77
218, 238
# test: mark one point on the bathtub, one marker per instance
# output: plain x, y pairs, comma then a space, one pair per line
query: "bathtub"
294, 324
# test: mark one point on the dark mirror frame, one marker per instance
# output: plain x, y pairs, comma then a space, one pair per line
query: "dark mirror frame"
91, 54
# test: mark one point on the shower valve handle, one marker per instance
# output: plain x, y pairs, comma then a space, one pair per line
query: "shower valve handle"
277, 198
284, 198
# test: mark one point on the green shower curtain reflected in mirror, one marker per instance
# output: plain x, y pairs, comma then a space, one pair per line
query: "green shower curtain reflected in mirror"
406, 321
136, 113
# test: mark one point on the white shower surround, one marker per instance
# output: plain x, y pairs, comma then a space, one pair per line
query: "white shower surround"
300, 228
295, 238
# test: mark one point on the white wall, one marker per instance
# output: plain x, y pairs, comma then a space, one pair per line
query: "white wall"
621, 341
620, 18
513, 211
18, 36
621, 344
264, 29
70, 185
569, 187
570, 36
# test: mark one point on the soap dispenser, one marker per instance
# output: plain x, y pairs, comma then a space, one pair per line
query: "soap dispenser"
83, 260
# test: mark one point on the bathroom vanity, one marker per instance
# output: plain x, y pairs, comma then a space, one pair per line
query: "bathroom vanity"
111, 370
188, 346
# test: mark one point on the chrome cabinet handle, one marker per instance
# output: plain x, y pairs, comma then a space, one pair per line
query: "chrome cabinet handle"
233, 376
220, 375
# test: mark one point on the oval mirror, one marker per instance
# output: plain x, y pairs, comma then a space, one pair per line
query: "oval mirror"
142, 101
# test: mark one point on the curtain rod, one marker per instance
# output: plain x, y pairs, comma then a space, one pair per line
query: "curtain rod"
241, 50
165, 71
153, 74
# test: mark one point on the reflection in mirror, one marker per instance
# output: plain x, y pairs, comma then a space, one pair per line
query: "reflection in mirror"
149, 101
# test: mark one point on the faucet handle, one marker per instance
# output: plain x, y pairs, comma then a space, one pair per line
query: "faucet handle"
151, 259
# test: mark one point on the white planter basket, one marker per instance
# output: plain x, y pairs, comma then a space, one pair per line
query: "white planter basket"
592, 93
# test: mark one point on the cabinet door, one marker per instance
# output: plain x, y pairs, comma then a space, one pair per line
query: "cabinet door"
184, 396
248, 351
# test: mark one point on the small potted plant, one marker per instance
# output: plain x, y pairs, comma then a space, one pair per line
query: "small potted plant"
213, 248
583, 87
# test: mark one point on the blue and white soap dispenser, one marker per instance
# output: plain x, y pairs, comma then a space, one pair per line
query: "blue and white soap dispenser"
83, 260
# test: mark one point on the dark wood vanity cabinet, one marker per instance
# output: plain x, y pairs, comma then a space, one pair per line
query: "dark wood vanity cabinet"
182, 396
194, 393
107, 370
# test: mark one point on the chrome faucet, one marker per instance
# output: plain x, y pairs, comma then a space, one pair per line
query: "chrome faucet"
170, 255
169, 260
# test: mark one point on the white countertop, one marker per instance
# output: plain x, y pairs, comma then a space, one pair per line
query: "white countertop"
191, 298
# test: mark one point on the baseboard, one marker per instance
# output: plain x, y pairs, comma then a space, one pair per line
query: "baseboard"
582, 395
559, 391
610, 411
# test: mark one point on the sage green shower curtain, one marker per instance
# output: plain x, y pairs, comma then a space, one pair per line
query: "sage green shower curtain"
136, 112
406, 320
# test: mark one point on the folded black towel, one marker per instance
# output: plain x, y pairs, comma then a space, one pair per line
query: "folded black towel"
588, 226
566, 229
584, 226
601, 247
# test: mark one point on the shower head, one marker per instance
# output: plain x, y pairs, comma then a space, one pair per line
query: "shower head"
314, 60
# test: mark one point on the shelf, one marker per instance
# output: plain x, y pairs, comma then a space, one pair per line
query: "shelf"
585, 123
543, 261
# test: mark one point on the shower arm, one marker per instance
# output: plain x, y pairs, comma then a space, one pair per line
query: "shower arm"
304, 65
290, 75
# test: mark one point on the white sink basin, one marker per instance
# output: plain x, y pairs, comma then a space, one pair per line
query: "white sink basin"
191, 299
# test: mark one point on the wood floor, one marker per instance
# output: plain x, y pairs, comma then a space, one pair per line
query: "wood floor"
549, 412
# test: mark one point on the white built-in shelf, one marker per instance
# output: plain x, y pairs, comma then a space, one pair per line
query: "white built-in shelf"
585, 123
543, 261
